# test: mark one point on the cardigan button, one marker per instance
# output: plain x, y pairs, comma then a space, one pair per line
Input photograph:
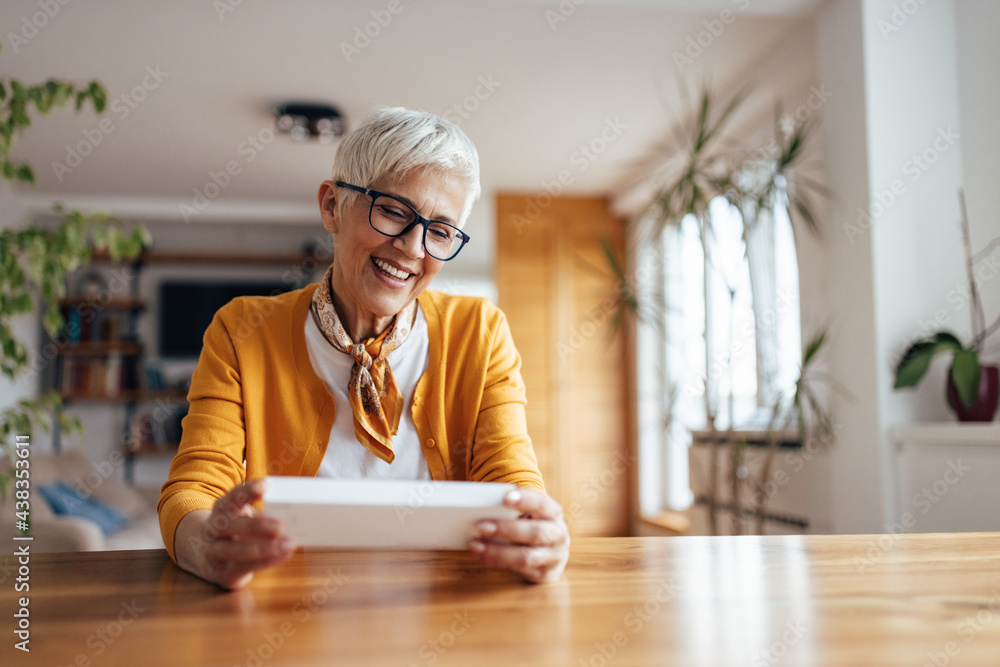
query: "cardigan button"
430, 442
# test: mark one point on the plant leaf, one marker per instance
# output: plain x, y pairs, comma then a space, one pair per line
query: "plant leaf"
948, 340
814, 346
913, 366
24, 174
965, 375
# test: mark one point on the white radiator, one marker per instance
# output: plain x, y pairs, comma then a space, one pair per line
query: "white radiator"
797, 487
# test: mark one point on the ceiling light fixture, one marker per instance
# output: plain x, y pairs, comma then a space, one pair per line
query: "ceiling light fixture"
306, 121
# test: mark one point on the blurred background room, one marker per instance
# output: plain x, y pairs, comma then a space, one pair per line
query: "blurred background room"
715, 226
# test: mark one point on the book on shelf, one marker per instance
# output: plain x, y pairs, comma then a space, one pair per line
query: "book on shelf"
153, 377
73, 325
89, 324
113, 380
98, 376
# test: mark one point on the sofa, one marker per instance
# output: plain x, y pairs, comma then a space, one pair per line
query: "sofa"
52, 532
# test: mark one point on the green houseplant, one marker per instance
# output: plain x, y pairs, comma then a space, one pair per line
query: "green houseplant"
972, 387
35, 258
702, 165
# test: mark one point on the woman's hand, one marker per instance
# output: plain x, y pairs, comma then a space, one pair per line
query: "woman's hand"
535, 545
232, 541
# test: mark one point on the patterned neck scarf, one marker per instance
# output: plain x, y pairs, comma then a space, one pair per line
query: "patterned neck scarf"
375, 399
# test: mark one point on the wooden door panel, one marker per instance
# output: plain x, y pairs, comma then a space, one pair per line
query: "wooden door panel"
557, 291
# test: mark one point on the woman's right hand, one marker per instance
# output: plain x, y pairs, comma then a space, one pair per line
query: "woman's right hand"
227, 544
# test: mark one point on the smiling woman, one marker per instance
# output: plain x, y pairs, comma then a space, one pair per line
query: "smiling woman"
366, 375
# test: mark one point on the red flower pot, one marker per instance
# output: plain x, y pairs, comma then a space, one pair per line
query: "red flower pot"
989, 396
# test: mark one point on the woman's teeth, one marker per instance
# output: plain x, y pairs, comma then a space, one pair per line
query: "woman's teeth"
391, 270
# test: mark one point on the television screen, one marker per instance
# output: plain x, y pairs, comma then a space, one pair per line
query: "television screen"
187, 307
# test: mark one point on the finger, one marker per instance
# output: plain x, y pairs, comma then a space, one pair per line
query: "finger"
240, 497
530, 532
533, 503
263, 552
227, 526
533, 563
236, 574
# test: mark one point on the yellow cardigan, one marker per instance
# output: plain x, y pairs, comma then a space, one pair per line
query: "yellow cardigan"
258, 408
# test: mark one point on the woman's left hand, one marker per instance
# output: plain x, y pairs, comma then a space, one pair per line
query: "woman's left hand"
535, 545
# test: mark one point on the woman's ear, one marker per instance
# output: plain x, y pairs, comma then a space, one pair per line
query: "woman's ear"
327, 198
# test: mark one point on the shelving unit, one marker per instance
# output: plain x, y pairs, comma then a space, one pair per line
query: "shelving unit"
100, 357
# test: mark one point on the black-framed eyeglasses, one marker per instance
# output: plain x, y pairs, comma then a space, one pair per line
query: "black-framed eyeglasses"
393, 217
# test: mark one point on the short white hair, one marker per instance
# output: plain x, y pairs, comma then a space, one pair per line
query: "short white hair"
394, 141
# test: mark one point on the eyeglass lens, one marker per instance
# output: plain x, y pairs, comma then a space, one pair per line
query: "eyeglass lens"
391, 217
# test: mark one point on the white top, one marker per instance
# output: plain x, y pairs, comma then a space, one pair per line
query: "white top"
345, 457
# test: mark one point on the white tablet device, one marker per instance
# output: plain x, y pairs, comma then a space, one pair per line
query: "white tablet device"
378, 514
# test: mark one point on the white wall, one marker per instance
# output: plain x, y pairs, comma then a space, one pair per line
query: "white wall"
916, 80
914, 150
855, 469
915, 171
977, 26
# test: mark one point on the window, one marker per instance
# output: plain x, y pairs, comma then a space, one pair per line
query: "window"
753, 334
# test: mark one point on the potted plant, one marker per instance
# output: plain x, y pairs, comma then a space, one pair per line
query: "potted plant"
973, 387
35, 259
701, 166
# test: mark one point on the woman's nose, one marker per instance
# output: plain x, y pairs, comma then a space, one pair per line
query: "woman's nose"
412, 243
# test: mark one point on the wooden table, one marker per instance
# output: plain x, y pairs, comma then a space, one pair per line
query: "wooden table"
686, 601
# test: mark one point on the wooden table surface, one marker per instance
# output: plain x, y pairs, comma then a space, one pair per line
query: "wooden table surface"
824, 600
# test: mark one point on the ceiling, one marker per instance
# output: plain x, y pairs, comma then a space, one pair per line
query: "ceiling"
556, 78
